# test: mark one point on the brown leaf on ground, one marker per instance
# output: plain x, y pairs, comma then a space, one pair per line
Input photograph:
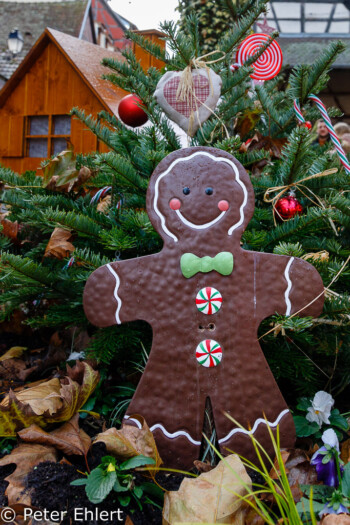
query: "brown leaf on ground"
15, 351
130, 441
203, 466
10, 229
345, 451
25, 457
52, 401
69, 438
213, 497
41, 398
299, 471
16, 369
128, 521
335, 519
251, 517
58, 245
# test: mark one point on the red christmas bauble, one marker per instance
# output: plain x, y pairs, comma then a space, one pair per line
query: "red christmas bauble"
288, 207
307, 124
130, 113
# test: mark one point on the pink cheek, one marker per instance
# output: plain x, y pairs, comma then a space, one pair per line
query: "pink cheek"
223, 205
175, 204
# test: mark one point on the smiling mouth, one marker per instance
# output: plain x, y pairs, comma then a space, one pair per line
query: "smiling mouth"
199, 226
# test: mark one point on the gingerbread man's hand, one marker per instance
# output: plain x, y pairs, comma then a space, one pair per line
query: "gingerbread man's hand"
306, 294
109, 291
293, 286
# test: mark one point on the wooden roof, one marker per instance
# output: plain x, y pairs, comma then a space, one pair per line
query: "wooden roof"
83, 56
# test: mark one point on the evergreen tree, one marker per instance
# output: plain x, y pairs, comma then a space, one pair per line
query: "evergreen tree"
304, 354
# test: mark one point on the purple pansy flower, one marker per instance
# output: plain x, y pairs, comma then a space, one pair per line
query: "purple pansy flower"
329, 509
327, 471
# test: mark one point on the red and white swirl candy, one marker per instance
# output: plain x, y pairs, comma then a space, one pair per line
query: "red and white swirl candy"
209, 353
268, 65
208, 300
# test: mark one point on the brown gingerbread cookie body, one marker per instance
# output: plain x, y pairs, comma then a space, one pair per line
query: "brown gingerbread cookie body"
205, 298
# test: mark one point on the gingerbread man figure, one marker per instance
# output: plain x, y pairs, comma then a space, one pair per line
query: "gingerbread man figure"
204, 297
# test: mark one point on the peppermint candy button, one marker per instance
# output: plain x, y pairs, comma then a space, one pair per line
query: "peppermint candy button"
208, 300
209, 353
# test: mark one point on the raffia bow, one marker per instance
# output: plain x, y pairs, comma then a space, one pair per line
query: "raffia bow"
279, 191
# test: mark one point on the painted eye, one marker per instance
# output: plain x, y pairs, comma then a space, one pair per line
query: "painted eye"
186, 191
209, 191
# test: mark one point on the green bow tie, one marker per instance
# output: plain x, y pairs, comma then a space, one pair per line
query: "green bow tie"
191, 264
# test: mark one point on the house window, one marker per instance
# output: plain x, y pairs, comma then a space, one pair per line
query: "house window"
47, 135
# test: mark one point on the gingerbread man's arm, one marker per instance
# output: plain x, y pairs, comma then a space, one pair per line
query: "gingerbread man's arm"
290, 285
119, 292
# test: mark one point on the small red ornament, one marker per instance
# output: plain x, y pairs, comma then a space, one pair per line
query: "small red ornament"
288, 207
307, 124
130, 113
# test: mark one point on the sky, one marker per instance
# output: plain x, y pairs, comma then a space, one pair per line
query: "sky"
146, 14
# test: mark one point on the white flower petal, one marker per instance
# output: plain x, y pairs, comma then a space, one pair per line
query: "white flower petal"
329, 437
312, 416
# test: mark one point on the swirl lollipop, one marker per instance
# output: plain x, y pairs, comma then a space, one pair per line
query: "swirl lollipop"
268, 65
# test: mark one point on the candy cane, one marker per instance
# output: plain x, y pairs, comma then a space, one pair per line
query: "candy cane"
322, 109
298, 112
101, 193
69, 263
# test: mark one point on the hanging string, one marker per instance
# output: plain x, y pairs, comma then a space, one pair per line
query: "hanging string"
322, 109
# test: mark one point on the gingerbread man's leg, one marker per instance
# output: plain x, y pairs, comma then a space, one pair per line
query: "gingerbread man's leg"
255, 406
173, 413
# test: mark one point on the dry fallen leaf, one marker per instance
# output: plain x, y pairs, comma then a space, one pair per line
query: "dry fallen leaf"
15, 351
69, 438
130, 441
345, 451
212, 497
10, 229
336, 519
128, 521
25, 457
58, 245
52, 401
202, 466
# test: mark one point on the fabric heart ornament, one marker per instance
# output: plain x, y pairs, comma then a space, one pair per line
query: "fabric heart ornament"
189, 101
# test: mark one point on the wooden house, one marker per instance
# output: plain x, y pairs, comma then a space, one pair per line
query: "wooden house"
90, 20
60, 72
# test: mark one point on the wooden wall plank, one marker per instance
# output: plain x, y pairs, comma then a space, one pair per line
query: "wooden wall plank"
4, 134
15, 138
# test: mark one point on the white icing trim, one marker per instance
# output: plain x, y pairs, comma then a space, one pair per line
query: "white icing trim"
138, 424
199, 226
215, 159
222, 440
175, 434
289, 286
117, 284
255, 426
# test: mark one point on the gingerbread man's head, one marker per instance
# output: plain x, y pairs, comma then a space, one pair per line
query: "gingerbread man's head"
198, 191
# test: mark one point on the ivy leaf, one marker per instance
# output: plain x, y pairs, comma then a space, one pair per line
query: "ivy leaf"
318, 491
124, 500
118, 487
99, 484
303, 427
78, 482
338, 421
137, 461
304, 403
